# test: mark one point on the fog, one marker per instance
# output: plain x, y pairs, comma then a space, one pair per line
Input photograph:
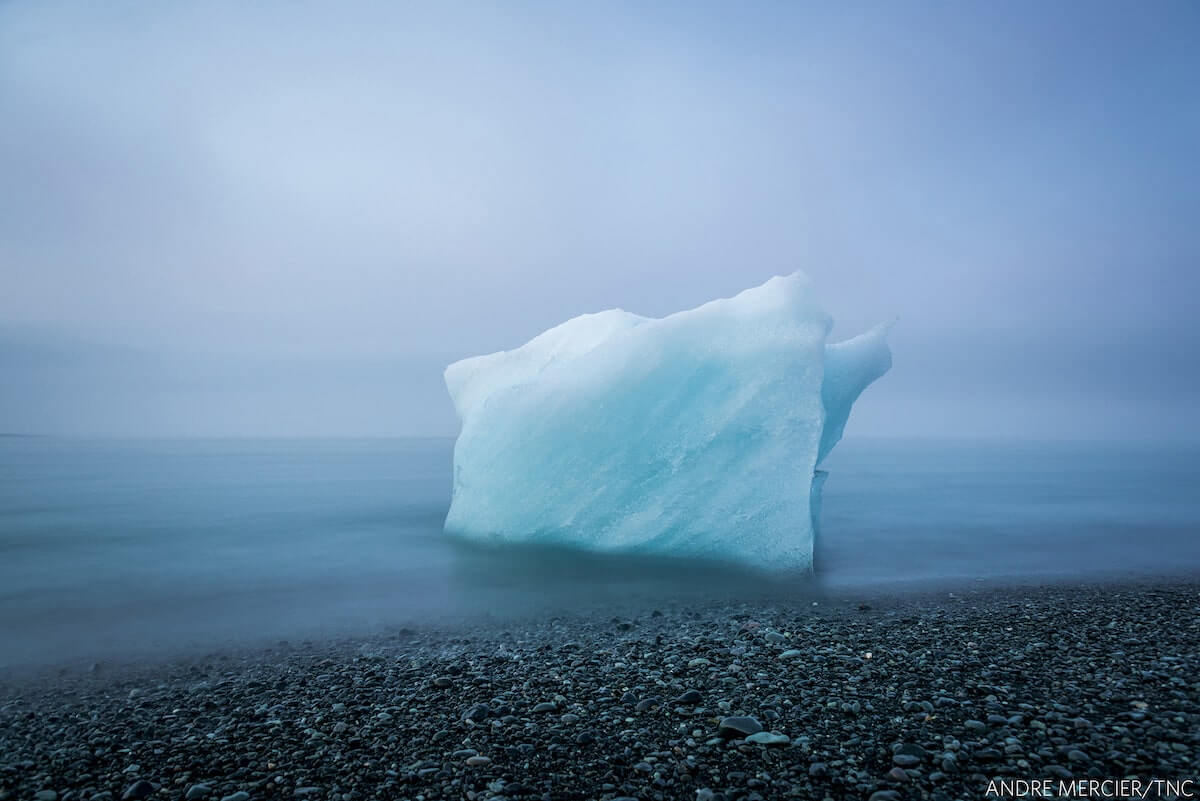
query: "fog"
284, 218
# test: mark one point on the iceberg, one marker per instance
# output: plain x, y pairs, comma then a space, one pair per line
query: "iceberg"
698, 434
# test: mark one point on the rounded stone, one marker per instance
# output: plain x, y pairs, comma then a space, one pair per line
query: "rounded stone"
738, 726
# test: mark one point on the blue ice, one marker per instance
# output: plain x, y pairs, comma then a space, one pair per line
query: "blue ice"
698, 434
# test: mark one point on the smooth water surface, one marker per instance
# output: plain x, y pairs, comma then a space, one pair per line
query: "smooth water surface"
113, 548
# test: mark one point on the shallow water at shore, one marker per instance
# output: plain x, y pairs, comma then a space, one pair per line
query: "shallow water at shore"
933, 692
124, 546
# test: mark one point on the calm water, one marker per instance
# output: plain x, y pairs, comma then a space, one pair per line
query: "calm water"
112, 548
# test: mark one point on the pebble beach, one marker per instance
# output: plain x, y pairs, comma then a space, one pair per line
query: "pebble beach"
918, 696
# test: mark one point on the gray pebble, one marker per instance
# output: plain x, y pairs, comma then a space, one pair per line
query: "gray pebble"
738, 726
139, 789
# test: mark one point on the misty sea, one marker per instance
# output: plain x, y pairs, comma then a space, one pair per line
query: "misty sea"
118, 548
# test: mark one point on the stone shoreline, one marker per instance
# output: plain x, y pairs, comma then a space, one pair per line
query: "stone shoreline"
892, 697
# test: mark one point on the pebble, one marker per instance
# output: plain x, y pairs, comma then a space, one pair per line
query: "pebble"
768, 738
139, 789
197, 791
647, 703
738, 726
477, 713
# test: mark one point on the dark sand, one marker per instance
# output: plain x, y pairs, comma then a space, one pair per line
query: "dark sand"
914, 696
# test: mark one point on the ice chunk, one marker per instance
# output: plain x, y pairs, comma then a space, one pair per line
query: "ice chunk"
697, 434
850, 367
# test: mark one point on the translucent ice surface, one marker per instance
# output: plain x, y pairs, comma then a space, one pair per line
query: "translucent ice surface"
698, 434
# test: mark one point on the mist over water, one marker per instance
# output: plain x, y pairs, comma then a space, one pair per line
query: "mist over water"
286, 219
114, 549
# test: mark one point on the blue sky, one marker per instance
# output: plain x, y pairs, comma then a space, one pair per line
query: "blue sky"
286, 218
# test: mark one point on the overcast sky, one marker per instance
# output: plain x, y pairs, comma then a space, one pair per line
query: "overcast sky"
284, 218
